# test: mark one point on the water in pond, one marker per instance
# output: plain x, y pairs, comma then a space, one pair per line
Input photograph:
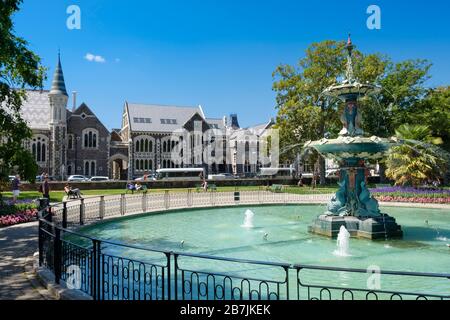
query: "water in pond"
279, 234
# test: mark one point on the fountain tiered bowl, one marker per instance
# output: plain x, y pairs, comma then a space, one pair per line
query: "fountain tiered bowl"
358, 147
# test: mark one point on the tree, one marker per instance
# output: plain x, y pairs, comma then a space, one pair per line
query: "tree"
417, 160
19, 68
402, 87
434, 111
303, 112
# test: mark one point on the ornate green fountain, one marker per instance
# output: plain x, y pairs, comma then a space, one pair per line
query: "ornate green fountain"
352, 206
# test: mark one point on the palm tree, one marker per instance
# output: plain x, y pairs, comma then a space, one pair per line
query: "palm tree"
417, 159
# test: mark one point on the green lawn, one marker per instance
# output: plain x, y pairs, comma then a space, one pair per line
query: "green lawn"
57, 196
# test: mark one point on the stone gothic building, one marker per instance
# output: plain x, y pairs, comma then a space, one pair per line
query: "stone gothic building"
67, 142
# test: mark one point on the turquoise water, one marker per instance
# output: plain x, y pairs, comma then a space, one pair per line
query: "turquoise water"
219, 232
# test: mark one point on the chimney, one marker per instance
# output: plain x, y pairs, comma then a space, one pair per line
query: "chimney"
74, 97
224, 121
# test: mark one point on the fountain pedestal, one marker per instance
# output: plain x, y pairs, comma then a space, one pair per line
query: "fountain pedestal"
368, 228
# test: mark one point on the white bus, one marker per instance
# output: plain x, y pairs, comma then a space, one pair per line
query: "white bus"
276, 172
180, 174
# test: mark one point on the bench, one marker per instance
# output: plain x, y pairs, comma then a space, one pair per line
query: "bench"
143, 189
382, 185
211, 187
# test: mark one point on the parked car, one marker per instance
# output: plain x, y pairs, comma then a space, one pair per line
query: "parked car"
99, 179
332, 173
77, 178
150, 177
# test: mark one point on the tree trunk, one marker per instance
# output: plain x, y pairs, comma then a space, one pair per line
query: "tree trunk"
322, 170
382, 172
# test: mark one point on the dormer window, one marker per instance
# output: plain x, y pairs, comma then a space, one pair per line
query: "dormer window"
168, 121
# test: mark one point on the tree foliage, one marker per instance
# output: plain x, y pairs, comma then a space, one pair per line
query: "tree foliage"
304, 114
20, 68
418, 159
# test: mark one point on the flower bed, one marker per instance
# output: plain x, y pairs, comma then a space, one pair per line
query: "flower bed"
409, 194
21, 212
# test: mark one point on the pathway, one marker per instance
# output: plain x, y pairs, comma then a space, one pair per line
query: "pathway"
17, 245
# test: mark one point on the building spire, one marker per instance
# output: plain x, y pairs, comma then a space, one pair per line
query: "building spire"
58, 84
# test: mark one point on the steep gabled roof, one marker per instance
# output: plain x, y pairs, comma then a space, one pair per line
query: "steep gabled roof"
35, 109
84, 108
159, 118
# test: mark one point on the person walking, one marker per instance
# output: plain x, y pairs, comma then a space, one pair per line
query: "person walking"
45, 188
15, 188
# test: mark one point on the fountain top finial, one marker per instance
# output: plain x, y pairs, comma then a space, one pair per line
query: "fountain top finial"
349, 45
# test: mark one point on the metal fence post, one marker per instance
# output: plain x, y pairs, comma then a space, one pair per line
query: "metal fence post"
144, 202
57, 255
102, 207
169, 292
122, 204
166, 199
82, 207
96, 287
189, 198
41, 243
64, 215
175, 275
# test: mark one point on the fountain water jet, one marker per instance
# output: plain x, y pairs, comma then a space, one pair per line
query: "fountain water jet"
343, 243
248, 220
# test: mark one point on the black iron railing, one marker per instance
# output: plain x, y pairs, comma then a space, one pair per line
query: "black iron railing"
108, 270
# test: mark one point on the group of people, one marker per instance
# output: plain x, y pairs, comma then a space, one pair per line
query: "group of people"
44, 188
136, 187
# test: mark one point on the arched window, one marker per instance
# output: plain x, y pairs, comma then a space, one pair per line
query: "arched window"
86, 168
150, 164
93, 168
70, 142
142, 145
86, 140
39, 148
137, 146
90, 137
137, 164
146, 164
146, 145
43, 153
164, 146
39, 151
150, 146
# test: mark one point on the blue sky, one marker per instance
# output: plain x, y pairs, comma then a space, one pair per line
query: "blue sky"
219, 54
